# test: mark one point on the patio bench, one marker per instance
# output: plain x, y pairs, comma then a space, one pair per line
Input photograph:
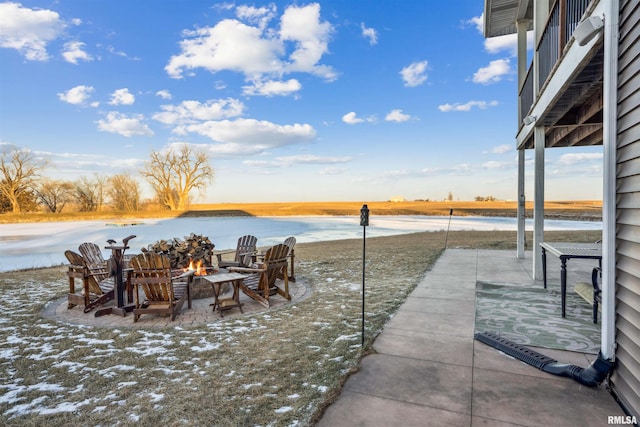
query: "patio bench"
591, 292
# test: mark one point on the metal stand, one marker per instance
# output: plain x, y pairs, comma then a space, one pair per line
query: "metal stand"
116, 262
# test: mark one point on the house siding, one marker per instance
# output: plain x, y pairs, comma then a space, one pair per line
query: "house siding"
626, 378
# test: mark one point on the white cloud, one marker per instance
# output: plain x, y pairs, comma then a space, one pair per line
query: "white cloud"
113, 51
497, 165
302, 25
575, 158
397, 116
370, 34
124, 125
414, 74
272, 87
493, 73
229, 45
303, 159
188, 112
164, 94
309, 159
468, 106
501, 149
250, 135
122, 97
77, 95
258, 52
257, 15
351, 119
73, 51
478, 22
507, 43
29, 30
330, 170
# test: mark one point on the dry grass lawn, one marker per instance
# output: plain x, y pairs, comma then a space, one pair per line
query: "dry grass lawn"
586, 210
275, 368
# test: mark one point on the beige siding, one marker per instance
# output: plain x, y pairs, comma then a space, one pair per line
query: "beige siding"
626, 379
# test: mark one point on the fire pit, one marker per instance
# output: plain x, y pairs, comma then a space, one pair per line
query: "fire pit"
195, 252
194, 248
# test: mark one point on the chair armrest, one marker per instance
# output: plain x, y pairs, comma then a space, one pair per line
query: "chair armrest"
247, 253
246, 269
183, 274
228, 251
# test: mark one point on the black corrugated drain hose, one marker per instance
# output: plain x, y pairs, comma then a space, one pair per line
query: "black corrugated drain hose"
591, 376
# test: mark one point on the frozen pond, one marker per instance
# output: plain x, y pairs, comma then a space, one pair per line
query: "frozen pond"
28, 245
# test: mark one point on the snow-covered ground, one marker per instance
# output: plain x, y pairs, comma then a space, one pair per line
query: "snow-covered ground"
28, 245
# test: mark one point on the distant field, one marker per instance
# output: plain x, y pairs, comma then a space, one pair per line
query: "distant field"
582, 210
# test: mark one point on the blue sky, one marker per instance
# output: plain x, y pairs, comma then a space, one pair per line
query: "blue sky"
293, 101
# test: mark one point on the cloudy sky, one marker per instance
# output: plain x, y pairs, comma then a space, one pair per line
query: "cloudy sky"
293, 101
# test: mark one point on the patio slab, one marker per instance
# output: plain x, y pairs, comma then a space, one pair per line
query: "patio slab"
429, 370
423, 382
447, 348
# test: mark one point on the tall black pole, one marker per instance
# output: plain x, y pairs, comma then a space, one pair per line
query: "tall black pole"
446, 239
364, 222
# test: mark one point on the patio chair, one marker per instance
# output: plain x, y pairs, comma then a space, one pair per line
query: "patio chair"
97, 285
262, 281
92, 255
291, 243
245, 253
164, 291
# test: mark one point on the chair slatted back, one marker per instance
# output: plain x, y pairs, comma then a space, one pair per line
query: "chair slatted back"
92, 254
78, 264
246, 249
290, 242
152, 273
275, 263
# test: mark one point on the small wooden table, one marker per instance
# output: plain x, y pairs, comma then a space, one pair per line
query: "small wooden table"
566, 251
216, 280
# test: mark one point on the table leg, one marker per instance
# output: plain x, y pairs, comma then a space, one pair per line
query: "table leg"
224, 304
563, 284
216, 292
236, 293
544, 267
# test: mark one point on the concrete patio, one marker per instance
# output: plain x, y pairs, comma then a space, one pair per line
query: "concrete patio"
427, 368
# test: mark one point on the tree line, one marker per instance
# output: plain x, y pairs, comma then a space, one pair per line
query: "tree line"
174, 175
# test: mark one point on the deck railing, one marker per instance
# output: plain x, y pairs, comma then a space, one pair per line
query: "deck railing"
563, 19
526, 95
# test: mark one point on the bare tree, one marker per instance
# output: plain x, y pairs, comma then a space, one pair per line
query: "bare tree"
89, 194
28, 202
54, 195
124, 192
20, 169
174, 174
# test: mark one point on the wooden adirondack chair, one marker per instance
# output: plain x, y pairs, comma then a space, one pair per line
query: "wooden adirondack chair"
97, 286
245, 253
92, 255
163, 291
291, 243
262, 281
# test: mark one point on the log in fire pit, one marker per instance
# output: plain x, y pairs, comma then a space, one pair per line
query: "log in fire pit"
195, 252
